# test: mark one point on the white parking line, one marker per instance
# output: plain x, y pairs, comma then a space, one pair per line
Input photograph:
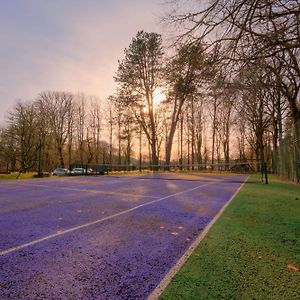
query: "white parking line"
48, 237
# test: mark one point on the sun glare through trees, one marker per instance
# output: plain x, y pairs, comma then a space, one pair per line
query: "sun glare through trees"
158, 97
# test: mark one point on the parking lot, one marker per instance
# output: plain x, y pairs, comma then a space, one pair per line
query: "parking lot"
102, 237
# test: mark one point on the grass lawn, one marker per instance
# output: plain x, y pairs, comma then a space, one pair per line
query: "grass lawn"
14, 175
251, 252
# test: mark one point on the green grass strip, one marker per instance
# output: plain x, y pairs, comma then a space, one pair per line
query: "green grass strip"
28, 175
251, 252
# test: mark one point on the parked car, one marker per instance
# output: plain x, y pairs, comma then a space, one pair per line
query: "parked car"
90, 171
60, 172
78, 171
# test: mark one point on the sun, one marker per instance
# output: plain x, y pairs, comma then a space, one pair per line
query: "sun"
159, 96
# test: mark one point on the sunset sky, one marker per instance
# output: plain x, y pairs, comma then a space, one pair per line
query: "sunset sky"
70, 45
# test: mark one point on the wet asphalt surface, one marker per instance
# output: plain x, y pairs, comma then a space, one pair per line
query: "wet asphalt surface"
135, 229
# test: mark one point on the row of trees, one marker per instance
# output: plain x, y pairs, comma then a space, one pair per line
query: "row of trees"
229, 90
259, 46
56, 129
238, 61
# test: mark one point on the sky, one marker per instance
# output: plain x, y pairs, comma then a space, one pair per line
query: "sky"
69, 45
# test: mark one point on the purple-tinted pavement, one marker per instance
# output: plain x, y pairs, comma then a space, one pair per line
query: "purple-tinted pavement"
125, 233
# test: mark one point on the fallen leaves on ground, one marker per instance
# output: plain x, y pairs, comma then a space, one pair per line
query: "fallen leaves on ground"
294, 268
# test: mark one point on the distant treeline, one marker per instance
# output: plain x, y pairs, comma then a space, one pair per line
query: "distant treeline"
230, 97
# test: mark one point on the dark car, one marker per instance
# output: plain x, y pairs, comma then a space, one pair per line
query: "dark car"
60, 172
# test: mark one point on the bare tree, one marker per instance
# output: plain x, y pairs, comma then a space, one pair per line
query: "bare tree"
56, 107
199, 124
81, 114
249, 31
22, 131
255, 99
183, 75
96, 126
226, 121
8, 150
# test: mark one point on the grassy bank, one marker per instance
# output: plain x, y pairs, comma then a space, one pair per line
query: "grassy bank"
15, 175
252, 251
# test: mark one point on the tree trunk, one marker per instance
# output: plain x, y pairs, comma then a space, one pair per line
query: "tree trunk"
170, 144
140, 149
61, 158
193, 133
214, 133
181, 141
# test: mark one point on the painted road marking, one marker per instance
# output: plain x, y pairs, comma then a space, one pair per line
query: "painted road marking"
48, 237
156, 293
